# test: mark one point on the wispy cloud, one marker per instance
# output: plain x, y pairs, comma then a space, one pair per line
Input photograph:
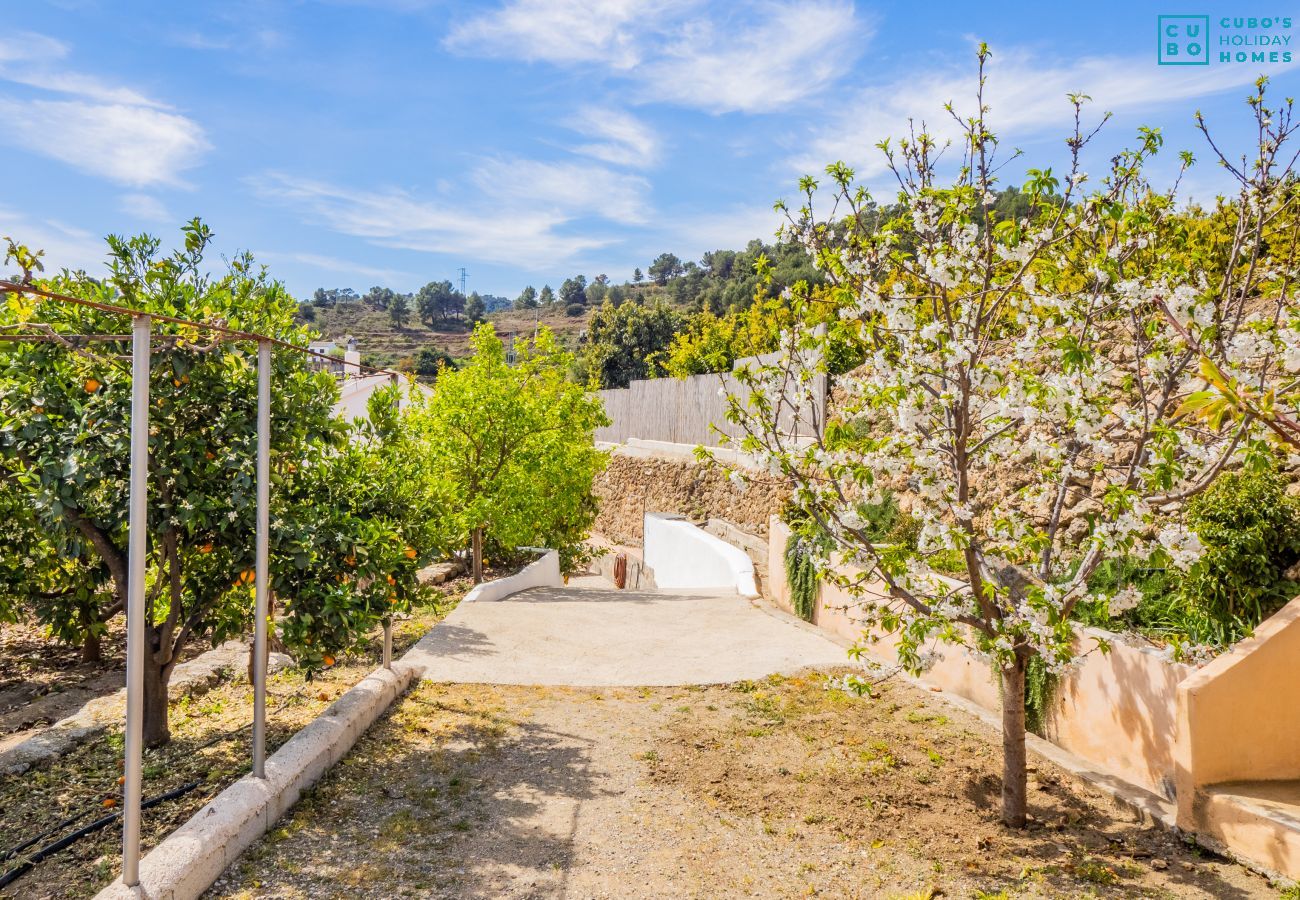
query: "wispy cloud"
729, 229
620, 138
65, 246
97, 127
133, 145
385, 277
28, 46
758, 57
525, 212
145, 207
786, 52
565, 189
1026, 96
564, 31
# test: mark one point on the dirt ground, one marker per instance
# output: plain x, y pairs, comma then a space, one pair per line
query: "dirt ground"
784, 788
210, 735
42, 681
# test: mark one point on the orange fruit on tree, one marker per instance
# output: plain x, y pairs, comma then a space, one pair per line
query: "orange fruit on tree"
91, 385
410, 553
206, 548
392, 580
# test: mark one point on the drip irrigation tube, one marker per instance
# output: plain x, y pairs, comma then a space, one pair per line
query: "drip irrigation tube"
64, 842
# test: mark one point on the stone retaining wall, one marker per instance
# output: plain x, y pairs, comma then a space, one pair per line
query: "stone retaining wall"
636, 483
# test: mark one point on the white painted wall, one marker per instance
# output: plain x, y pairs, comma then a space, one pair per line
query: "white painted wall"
683, 556
354, 393
544, 572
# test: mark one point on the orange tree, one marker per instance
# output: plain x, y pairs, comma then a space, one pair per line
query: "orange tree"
339, 560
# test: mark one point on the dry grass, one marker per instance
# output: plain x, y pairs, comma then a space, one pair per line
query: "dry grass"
783, 788
210, 735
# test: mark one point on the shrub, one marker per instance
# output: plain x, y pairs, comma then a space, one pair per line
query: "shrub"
1251, 530
575, 309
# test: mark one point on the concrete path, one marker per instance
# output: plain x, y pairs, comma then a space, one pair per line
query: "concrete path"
590, 634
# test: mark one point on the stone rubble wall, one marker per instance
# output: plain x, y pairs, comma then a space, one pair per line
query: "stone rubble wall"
637, 482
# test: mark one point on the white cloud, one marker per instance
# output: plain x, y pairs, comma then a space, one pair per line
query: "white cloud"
531, 228
385, 277
565, 189
84, 86
1026, 97
103, 129
563, 31
65, 247
28, 46
792, 50
756, 58
145, 207
729, 229
622, 139
133, 145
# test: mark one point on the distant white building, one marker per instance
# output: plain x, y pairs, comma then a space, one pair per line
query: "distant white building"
344, 356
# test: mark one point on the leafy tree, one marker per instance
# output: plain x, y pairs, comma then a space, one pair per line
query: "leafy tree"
513, 445
1022, 382
665, 268
637, 276
527, 298
430, 362
709, 343
574, 291
399, 310
547, 296
438, 300
475, 309
64, 441
379, 297
622, 342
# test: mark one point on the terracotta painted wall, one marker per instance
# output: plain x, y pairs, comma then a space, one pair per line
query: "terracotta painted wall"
1240, 714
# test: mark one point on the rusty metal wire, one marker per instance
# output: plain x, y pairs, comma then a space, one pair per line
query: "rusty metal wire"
232, 334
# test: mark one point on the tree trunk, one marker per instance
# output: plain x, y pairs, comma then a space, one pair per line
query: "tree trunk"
90, 648
1013, 744
156, 730
477, 552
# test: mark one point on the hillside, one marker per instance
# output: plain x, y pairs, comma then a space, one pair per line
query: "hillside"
383, 344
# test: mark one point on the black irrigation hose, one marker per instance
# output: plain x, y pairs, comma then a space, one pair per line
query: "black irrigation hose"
63, 843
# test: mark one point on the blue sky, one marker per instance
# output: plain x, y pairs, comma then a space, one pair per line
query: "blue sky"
360, 143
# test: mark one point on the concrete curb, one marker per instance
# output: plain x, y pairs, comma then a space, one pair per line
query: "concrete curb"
191, 858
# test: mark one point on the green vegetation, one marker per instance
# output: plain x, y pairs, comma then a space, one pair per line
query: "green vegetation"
512, 447
801, 576
1250, 528
349, 527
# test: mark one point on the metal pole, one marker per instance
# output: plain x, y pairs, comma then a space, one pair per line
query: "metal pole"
388, 622
261, 606
136, 609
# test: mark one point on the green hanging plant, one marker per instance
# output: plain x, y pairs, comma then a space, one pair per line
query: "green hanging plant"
1040, 689
801, 576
